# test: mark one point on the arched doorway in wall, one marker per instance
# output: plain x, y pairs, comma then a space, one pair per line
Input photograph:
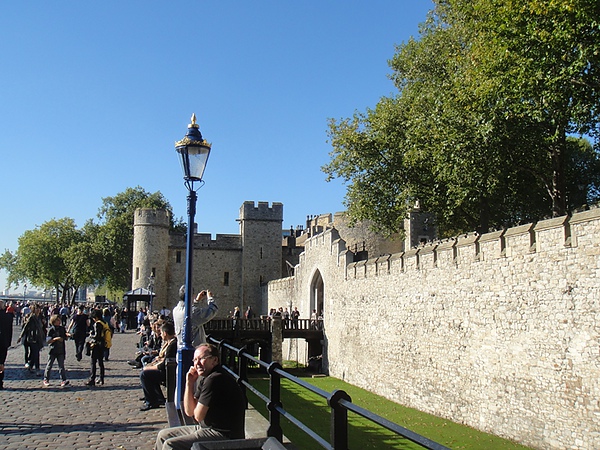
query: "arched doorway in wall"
316, 293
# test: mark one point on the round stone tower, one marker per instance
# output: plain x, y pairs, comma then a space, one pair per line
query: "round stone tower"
151, 252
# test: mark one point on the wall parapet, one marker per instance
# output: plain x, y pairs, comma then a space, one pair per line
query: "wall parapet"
543, 236
205, 240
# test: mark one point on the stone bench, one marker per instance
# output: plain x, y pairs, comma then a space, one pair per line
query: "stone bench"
246, 444
255, 430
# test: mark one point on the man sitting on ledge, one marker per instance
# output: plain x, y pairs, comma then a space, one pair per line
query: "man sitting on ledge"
213, 398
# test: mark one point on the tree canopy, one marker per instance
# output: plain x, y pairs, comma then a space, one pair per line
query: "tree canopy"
481, 129
58, 255
113, 236
47, 256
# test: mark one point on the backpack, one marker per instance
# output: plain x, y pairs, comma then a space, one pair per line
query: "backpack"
106, 334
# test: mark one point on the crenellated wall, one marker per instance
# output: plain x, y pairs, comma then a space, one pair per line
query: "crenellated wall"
232, 266
499, 331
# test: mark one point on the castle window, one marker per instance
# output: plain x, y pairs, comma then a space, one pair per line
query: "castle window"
153, 272
178, 257
226, 279
261, 253
137, 273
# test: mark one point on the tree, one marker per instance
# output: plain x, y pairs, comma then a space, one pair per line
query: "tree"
465, 135
544, 58
44, 258
112, 238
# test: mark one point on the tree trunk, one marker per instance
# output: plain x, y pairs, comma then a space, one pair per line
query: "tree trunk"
558, 151
484, 215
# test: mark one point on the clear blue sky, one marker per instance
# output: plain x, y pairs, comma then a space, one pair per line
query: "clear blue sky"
94, 95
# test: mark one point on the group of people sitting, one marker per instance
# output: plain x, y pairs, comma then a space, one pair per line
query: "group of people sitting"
152, 359
211, 396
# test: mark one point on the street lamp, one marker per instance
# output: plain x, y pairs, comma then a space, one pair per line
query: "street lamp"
151, 289
193, 152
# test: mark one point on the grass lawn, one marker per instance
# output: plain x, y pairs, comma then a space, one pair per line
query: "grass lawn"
313, 411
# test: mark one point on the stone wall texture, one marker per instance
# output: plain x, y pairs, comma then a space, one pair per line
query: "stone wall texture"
499, 331
232, 266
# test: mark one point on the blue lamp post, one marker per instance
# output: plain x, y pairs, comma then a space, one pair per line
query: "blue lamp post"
193, 151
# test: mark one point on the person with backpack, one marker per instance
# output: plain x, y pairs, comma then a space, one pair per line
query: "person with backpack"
99, 339
108, 319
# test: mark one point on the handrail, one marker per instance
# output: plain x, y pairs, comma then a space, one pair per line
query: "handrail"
339, 402
262, 324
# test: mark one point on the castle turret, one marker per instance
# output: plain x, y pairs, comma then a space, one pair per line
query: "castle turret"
260, 228
419, 227
150, 252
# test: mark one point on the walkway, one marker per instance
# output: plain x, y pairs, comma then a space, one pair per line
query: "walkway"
77, 417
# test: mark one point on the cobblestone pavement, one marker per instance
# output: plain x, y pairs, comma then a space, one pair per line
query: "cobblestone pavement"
76, 417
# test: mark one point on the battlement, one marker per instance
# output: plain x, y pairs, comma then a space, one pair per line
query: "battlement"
546, 237
151, 217
262, 211
205, 240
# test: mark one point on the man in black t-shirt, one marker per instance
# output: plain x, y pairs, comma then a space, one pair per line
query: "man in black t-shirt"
78, 327
213, 398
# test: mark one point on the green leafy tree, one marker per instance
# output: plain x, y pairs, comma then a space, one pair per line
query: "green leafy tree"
466, 134
112, 240
44, 257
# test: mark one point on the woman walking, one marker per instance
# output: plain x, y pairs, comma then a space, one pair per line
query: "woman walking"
79, 329
33, 334
97, 344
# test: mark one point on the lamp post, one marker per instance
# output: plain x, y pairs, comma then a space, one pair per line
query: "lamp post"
151, 289
193, 151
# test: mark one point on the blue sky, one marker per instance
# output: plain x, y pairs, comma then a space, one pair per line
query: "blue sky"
94, 95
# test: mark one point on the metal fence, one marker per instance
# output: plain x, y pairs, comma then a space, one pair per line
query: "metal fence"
338, 401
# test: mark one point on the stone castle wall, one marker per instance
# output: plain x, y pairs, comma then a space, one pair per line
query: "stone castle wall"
499, 331
216, 266
233, 267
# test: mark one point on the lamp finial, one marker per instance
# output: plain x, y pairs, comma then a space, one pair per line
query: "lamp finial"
193, 124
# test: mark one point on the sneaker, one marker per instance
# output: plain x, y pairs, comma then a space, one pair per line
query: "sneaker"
46, 383
27, 365
64, 383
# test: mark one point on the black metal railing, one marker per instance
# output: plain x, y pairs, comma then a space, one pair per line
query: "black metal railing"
262, 324
339, 402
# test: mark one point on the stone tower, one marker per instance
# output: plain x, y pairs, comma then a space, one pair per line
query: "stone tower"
419, 227
151, 251
260, 229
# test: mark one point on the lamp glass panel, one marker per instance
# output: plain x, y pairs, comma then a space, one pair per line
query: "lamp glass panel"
193, 160
197, 161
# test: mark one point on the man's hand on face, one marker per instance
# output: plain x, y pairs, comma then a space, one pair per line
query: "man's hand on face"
192, 375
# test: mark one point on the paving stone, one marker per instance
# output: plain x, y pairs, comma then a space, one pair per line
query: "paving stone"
76, 416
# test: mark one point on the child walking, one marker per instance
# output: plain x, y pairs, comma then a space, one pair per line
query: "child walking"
57, 335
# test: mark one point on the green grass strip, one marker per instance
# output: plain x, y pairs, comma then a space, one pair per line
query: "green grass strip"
313, 411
